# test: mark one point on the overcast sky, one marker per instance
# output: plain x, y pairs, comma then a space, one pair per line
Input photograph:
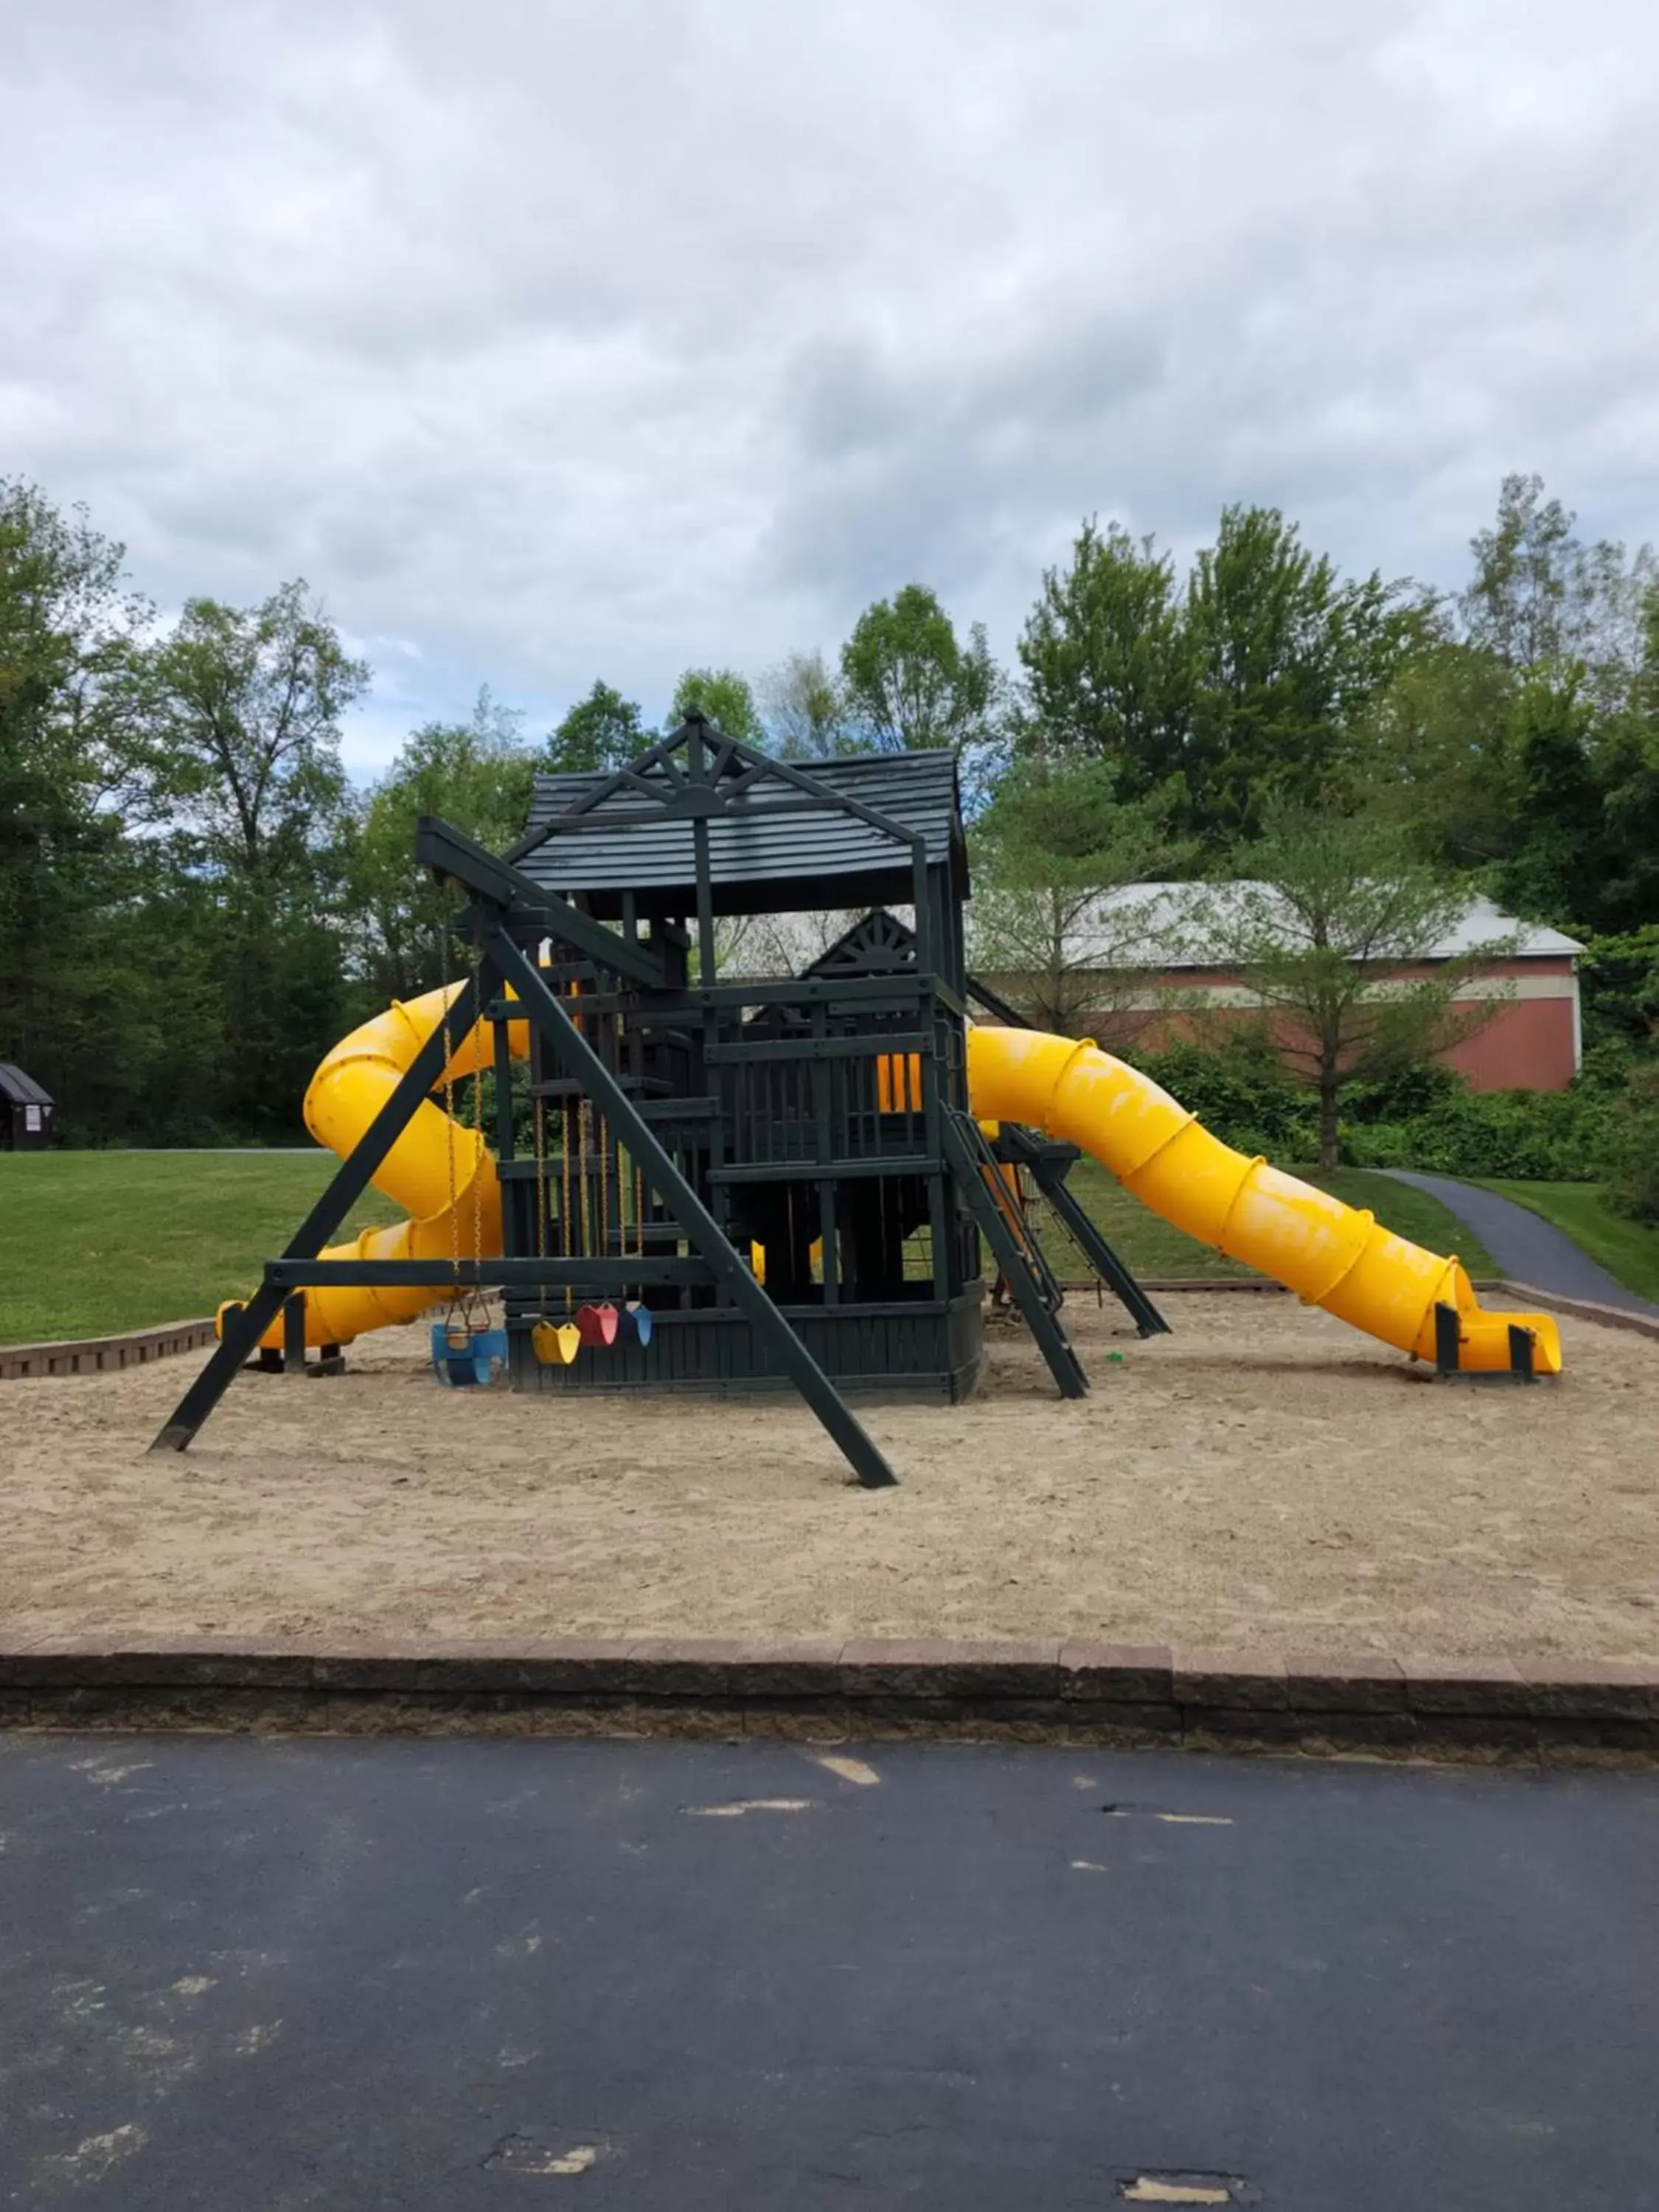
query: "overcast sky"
551, 341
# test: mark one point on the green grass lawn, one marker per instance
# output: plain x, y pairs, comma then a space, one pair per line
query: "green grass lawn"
1153, 1249
94, 1242
1629, 1250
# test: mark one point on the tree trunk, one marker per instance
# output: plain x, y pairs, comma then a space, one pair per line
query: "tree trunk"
1330, 1151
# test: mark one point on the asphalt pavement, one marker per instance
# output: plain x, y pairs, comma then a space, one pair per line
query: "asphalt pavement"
465, 1975
1524, 1245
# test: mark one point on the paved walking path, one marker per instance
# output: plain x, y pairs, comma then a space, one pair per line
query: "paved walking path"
1524, 1245
472, 1976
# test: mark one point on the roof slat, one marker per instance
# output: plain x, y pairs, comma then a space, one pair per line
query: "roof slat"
628, 842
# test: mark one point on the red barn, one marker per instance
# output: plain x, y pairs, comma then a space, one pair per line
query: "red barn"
1136, 972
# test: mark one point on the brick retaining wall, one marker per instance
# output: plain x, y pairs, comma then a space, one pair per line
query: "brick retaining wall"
1075, 1694
98, 1355
102, 1355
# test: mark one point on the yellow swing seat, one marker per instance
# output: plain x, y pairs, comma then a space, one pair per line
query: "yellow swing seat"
556, 1345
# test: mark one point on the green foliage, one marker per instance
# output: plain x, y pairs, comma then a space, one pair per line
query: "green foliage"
1556, 868
1532, 1135
173, 822
1240, 1092
1424, 1118
193, 904
1619, 983
105, 990
1542, 601
477, 776
1107, 661
603, 731
1628, 1150
1055, 854
1250, 683
1627, 766
1330, 935
68, 635
1436, 754
1556, 785
910, 681
724, 697
244, 730
806, 709
242, 750
1287, 657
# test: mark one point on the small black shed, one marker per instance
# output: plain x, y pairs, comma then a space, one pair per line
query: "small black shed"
25, 1111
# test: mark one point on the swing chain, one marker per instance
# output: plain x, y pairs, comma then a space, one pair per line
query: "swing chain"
477, 1305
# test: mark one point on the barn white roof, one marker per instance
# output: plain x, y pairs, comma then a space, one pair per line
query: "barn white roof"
1172, 925
1141, 925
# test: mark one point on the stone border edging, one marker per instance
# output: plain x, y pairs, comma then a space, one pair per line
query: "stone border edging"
102, 1355
1075, 1693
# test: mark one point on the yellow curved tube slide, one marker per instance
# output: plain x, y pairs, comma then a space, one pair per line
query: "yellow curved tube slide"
433, 1156
1331, 1255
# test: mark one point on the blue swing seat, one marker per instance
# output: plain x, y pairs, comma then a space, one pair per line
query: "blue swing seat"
465, 1369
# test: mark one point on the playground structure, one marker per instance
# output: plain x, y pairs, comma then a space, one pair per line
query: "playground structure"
732, 1184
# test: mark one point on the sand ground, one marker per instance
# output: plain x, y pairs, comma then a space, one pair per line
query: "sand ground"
1262, 1477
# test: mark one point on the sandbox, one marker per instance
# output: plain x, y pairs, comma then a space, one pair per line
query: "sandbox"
1261, 1476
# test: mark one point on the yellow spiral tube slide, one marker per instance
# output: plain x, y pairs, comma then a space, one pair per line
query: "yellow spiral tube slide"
433, 1156
1331, 1255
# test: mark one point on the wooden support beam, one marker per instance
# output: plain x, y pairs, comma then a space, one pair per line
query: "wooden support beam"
459, 858
970, 1157
597, 1274
1049, 1164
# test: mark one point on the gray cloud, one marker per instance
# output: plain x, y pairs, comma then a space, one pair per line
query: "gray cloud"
566, 340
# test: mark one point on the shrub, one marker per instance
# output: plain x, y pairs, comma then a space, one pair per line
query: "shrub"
1619, 978
1402, 1095
1243, 1096
1424, 1118
1529, 1136
1628, 1154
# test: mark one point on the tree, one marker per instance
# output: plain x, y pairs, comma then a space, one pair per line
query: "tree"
1556, 868
1629, 1150
1286, 658
477, 776
804, 708
1524, 741
1108, 664
722, 696
248, 706
1056, 920
603, 731
70, 713
1619, 978
1540, 599
1331, 936
245, 707
1437, 750
911, 684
